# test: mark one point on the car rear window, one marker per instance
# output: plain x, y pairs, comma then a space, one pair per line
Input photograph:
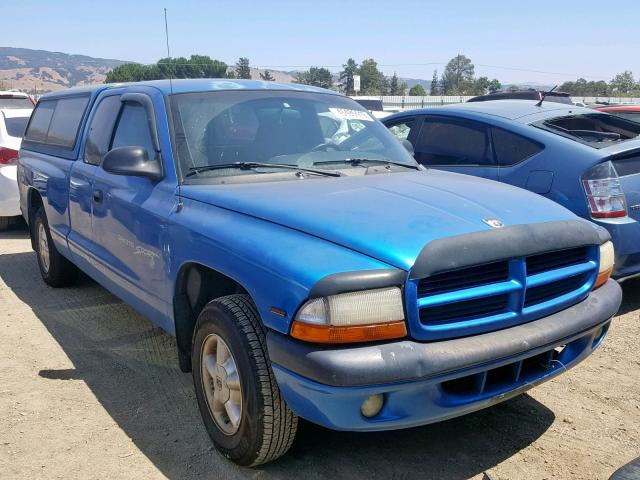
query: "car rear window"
56, 122
16, 126
598, 130
15, 102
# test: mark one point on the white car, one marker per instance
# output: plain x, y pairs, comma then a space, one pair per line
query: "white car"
13, 122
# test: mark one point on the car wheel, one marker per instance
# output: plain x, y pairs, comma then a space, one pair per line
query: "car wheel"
56, 270
4, 223
239, 399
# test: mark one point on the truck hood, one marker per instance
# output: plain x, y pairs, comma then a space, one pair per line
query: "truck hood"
390, 217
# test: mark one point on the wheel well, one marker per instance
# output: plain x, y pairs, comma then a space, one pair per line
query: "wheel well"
196, 286
34, 201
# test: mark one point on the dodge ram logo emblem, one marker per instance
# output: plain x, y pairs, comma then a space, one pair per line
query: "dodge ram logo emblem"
493, 222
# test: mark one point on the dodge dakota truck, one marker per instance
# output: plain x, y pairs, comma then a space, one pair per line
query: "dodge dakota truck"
306, 264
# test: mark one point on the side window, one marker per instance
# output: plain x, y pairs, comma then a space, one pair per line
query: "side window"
402, 129
101, 129
40, 120
511, 148
453, 143
133, 129
66, 121
56, 122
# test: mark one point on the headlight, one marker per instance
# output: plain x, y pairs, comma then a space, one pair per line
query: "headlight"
352, 317
607, 258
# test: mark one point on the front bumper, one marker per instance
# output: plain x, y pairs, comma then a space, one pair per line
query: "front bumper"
428, 382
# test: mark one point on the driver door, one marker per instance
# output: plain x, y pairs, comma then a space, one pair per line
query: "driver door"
130, 216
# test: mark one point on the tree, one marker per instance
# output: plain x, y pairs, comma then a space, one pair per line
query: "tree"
316, 76
127, 72
267, 77
372, 80
242, 69
480, 86
402, 88
349, 69
394, 85
417, 91
434, 84
623, 84
197, 66
584, 88
494, 85
458, 76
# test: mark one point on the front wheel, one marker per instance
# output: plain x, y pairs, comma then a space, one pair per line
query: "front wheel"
239, 399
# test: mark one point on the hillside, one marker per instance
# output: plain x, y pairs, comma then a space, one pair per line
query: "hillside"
41, 70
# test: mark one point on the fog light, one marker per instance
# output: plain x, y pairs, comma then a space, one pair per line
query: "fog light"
372, 405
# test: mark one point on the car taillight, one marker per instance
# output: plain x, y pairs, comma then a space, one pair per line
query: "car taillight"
604, 193
8, 156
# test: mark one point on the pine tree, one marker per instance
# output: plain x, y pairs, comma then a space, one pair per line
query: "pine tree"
394, 85
242, 68
267, 77
349, 69
434, 83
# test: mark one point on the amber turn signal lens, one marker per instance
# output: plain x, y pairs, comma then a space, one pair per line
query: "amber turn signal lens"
348, 334
603, 277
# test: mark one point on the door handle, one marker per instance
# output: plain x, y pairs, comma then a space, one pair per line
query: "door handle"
97, 196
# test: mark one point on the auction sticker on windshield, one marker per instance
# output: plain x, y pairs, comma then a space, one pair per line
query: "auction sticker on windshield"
348, 114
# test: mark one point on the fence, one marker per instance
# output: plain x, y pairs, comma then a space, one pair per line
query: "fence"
408, 103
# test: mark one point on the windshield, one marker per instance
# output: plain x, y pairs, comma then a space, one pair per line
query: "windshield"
307, 130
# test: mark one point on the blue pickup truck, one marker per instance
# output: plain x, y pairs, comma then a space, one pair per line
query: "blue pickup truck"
306, 264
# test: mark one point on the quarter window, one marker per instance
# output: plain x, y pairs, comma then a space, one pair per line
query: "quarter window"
133, 129
101, 129
511, 148
453, 143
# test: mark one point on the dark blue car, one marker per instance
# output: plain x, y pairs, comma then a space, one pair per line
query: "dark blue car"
585, 160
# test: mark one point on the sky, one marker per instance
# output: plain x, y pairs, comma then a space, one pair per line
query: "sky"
543, 41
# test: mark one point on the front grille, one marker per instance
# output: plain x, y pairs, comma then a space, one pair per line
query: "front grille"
468, 310
481, 298
549, 291
558, 259
464, 278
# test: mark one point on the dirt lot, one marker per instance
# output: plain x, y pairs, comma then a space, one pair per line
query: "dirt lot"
89, 389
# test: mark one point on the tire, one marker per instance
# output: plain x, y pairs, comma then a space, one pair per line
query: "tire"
265, 426
56, 270
4, 223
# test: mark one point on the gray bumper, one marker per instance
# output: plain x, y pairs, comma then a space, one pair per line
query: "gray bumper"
408, 360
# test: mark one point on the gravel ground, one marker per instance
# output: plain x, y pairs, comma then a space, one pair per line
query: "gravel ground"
90, 389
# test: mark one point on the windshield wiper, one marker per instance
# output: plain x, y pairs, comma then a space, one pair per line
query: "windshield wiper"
252, 165
362, 161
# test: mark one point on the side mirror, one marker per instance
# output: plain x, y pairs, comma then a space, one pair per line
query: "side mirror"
131, 161
409, 146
